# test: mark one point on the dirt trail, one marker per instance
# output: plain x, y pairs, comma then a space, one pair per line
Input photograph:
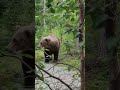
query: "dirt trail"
63, 74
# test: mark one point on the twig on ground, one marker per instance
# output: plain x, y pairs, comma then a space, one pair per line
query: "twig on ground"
55, 77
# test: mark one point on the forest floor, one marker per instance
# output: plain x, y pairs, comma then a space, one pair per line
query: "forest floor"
60, 72
11, 74
11, 77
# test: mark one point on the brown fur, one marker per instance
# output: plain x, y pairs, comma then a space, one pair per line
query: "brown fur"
23, 39
23, 42
51, 43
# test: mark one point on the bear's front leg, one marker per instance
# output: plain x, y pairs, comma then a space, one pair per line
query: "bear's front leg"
47, 55
29, 75
56, 56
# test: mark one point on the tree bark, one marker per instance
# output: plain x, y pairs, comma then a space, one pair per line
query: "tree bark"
101, 44
110, 11
44, 8
81, 39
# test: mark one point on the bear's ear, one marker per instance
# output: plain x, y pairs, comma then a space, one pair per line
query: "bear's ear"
18, 27
47, 40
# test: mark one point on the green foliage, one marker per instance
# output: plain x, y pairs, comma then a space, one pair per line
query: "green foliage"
10, 69
58, 14
60, 18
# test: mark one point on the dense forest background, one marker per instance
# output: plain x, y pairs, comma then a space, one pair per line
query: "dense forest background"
62, 18
59, 18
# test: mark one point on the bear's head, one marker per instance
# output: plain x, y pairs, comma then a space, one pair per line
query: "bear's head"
50, 42
23, 39
45, 42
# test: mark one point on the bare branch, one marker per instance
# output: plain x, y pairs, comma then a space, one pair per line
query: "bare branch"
43, 81
69, 65
54, 77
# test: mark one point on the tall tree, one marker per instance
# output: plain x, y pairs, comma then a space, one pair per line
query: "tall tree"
111, 12
81, 39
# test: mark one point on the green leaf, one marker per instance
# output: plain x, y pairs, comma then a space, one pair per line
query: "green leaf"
52, 10
82, 43
28, 56
46, 49
49, 1
72, 19
69, 68
77, 35
49, 5
41, 78
41, 65
68, 31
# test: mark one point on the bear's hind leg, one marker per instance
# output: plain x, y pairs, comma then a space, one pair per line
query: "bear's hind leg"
47, 55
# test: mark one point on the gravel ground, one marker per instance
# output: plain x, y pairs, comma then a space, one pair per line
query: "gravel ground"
63, 74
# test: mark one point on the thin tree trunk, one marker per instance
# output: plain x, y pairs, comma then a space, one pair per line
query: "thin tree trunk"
81, 39
44, 8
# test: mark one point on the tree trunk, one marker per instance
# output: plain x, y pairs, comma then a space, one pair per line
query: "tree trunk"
81, 39
44, 8
101, 44
112, 52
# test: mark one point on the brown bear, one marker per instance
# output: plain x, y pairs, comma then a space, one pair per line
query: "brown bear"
23, 42
51, 46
